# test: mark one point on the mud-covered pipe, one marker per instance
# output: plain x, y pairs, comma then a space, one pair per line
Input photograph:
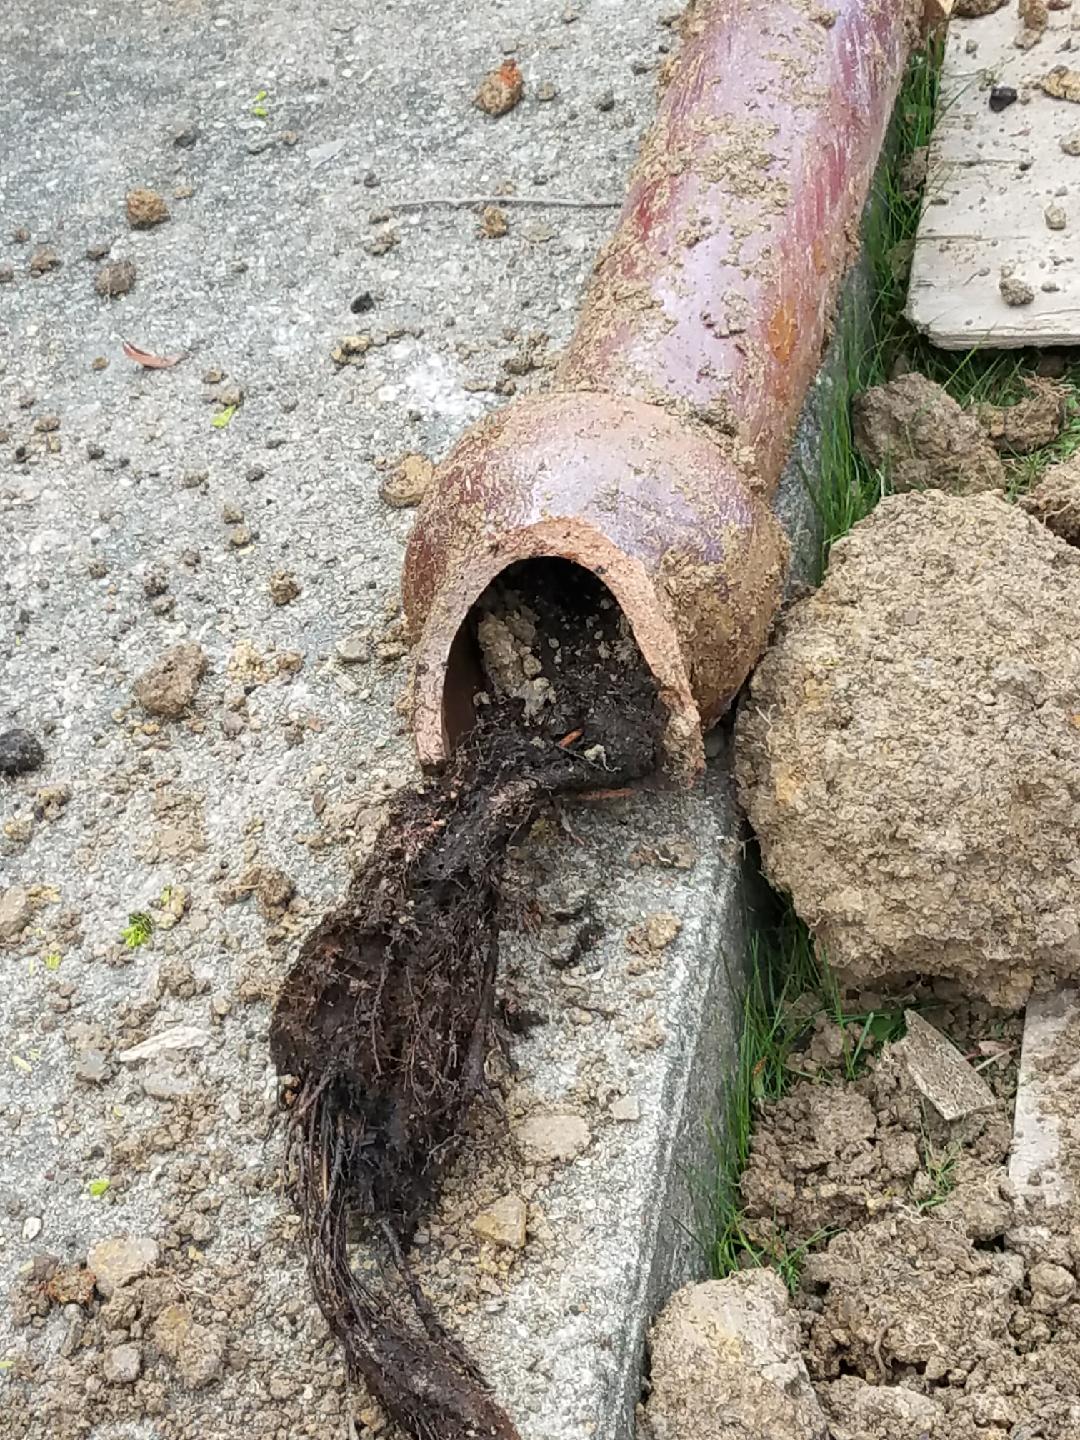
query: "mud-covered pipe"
653, 461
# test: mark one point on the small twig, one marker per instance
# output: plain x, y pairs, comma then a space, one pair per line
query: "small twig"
463, 202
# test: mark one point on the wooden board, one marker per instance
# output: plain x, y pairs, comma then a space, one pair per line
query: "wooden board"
990, 179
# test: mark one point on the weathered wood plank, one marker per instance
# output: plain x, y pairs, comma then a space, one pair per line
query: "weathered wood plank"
992, 177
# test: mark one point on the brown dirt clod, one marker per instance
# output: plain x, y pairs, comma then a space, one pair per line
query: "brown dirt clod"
1037, 419
1055, 500
115, 279
168, 686
917, 433
502, 90
145, 209
910, 752
409, 482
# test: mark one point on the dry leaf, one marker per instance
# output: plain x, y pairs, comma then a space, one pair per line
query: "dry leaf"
180, 1037
151, 361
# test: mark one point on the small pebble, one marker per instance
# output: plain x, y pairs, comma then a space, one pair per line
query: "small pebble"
43, 260
354, 650
115, 279
1001, 97
31, 1227
1056, 218
284, 587
20, 752
606, 101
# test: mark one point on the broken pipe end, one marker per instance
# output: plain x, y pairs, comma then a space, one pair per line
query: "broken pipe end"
646, 502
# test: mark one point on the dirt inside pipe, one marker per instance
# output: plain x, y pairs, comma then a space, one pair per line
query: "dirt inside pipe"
384, 1022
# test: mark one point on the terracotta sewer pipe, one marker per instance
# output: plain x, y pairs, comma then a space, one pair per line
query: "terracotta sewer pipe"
653, 461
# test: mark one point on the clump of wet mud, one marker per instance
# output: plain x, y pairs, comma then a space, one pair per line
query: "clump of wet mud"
1055, 500
384, 1023
916, 432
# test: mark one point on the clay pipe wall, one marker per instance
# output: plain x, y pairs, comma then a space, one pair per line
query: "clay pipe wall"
653, 460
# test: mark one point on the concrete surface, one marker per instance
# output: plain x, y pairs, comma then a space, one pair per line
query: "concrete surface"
268, 248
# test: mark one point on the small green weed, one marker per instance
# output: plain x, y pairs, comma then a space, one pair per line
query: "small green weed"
138, 929
941, 1168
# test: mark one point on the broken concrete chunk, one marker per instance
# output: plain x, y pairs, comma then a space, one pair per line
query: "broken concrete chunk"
1047, 1093
920, 437
120, 1260
553, 1137
168, 686
940, 1073
91, 1067
122, 1364
503, 1223
726, 1361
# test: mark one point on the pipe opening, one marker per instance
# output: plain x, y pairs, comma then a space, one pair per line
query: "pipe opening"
540, 623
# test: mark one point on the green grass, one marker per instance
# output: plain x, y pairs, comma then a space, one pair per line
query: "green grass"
874, 335
940, 1166
789, 984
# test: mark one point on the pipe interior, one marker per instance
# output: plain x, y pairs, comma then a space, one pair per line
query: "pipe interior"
578, 590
